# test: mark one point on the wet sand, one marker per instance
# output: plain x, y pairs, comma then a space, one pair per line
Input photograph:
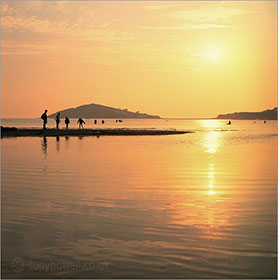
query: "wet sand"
20, 132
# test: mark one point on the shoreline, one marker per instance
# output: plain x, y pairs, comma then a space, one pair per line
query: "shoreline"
25, 132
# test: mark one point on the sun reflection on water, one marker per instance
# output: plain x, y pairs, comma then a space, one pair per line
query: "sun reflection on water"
212, 137
211, 180
212, 142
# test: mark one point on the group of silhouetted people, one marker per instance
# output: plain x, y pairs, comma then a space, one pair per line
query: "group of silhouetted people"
229, 122
57, 120
67, 121
95, 121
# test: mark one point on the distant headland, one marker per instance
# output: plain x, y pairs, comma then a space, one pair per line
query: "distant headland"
99, 111
263, 115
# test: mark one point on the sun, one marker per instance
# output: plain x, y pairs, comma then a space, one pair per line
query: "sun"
213, 54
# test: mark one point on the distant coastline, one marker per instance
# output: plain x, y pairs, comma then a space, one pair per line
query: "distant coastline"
263, 115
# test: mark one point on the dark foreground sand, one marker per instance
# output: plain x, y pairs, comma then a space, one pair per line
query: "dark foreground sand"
20, 132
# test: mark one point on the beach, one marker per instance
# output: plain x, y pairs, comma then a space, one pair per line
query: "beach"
25, 132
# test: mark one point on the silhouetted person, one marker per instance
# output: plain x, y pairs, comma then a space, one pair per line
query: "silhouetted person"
116, 120
264, 121
120, 121
57, 119
229, 122
80, 122
102, 121
44, 118
67, 121
95, 121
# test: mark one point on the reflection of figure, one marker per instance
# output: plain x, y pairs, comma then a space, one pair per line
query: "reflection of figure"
95, 121
67, 142
57, 120
67, 121
58, 143
80, 122
229, 122
44, 118
44, 146
102, 121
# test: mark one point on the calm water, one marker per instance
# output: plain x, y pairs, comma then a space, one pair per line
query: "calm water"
199, 205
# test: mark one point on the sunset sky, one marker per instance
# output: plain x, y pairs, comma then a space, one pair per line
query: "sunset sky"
173, 59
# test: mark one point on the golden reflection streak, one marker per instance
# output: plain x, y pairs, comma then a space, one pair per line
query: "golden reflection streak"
211, 180
212, 138
202, 206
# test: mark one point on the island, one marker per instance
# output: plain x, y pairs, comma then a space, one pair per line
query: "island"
94, 111
263, 115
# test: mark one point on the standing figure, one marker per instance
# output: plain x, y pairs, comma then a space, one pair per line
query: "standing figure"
95, 121
44, 118
102, 121
67, 121
57, 119
80, 122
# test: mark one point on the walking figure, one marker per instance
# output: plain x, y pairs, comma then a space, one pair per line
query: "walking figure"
44, 118
80, 122
67, 121
57, 120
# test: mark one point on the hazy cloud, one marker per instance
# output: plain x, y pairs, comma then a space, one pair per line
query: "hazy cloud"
204, 17
159, 6
209, 14
187, 27
80, 29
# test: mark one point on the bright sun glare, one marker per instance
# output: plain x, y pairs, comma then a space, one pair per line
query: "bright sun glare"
213, 54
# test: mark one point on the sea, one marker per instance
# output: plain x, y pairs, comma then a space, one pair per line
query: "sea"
197, 205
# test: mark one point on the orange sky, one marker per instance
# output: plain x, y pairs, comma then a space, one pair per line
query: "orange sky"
174, 59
